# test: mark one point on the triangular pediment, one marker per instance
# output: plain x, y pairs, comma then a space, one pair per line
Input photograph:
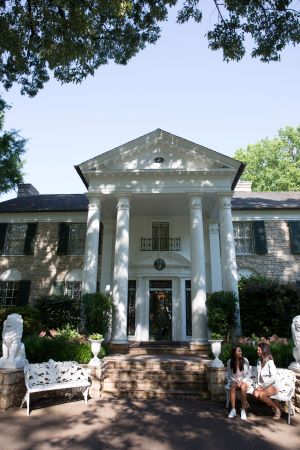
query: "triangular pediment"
158, 151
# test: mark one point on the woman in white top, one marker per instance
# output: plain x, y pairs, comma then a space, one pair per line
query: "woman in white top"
266, 378
238, 375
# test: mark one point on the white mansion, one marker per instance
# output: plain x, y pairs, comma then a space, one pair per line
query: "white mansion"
163, 222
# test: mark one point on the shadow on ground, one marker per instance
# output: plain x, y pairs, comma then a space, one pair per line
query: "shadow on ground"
143, 425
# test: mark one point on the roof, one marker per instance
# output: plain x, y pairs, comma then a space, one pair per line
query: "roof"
46, 203
79, 202
266, 200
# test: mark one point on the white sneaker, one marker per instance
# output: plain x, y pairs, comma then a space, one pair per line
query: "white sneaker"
232, 413
243, 414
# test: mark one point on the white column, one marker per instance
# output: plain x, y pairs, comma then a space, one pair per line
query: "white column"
142, 318
215, 257
106, 261
120, 283
198, 282
228, 258
90, 265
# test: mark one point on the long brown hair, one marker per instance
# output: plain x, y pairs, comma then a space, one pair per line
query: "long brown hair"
233, 364
266, 353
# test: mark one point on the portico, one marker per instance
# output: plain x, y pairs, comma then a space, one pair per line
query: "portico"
167, 235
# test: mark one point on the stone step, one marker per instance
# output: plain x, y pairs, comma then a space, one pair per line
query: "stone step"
148, 385
154, 394
154, 364
168, 351
127, 374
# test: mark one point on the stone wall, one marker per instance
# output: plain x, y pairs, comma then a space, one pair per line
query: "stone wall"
44, 267
279, 262
297, 393
12, 388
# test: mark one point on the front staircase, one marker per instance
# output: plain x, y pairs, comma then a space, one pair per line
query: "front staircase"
156, 371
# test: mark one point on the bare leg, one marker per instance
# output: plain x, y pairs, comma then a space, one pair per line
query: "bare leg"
233, 395
244, 388
264, 394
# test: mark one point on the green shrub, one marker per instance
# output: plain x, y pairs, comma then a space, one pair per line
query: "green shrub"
97, 313
41, 349
267, 306
221, 312
57, 312
30, 315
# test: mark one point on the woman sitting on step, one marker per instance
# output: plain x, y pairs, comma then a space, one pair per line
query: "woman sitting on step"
238, 375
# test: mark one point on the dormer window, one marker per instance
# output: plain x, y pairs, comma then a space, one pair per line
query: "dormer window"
159, 159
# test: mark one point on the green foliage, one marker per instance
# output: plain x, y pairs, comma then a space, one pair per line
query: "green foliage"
68, 332
282, 353
41, 349
58, 312
273, 164
96, 337
267, 306
30, 315
12, 147
72, 39
221, 312
97, 312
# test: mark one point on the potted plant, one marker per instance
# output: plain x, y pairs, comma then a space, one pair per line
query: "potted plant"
96, 341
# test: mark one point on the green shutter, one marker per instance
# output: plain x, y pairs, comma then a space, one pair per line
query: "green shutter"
63, 238
24, 291
30, 239
294, 227
58, 288
3, 229
100, 239
259, 234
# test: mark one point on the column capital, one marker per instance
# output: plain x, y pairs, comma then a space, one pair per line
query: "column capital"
123, 202
225, 201
94, 200
196, 201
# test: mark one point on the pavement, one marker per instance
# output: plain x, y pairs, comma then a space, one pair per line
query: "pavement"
143, 425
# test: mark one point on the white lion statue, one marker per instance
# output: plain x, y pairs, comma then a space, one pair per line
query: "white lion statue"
12, 347
296, 338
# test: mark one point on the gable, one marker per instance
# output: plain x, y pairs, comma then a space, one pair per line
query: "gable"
158, 151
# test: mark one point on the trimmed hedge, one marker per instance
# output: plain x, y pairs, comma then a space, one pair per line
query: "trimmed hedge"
221, 312
57, 312
97, 313
267, 306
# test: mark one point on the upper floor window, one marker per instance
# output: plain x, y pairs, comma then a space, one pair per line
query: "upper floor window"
17, 238
250, 238
71, 238
294, 227
160, 236
73, 289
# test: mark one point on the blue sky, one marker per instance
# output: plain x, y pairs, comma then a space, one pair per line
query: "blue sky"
178, 85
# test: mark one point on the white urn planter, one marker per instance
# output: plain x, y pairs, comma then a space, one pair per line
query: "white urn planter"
216, 350
95, 347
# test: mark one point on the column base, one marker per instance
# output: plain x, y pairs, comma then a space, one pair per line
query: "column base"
117, 347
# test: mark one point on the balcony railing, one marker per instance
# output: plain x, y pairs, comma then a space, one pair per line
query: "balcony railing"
160, 244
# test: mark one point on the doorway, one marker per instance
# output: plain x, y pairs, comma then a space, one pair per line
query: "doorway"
160, 310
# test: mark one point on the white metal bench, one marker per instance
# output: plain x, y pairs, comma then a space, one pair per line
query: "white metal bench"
54, 375
285, 381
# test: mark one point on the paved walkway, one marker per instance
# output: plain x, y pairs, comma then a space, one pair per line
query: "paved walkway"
143, 425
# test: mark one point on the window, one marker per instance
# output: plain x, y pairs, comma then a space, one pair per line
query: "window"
73, 289
250, 238
71, 238
188, 308
14, 293
131, 307
295, 236
17, 238
160, 236
243, 236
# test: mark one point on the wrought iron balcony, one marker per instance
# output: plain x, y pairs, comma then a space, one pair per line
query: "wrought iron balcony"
160, 244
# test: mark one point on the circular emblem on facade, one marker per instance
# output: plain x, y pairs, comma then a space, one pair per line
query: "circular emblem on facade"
159, 264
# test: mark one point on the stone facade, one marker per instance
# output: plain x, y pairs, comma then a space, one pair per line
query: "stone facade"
216, 380
279, 262
44, 267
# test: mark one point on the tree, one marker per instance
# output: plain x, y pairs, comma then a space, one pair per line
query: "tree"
273, 164
72, 38
12, 147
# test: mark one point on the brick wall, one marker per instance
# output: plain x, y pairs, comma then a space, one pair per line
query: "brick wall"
279, 262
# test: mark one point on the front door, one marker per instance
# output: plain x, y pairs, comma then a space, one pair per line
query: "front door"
160, 310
